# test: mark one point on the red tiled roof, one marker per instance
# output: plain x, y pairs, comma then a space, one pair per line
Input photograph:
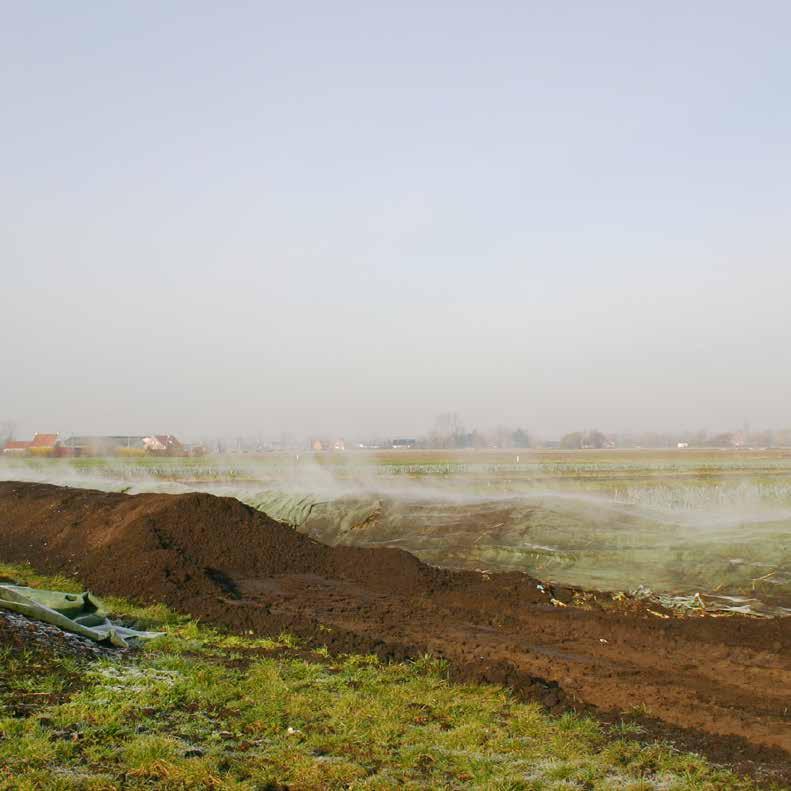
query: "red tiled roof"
17, 444
44, 440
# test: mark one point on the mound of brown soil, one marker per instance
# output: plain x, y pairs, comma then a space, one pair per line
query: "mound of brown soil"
191, 549
721, 685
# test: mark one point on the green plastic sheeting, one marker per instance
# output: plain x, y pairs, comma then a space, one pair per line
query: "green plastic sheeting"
563, 538
80, 613
290, 508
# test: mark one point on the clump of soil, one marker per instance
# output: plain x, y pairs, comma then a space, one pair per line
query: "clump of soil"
725, 683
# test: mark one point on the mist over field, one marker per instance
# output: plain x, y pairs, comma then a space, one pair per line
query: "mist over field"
661, 523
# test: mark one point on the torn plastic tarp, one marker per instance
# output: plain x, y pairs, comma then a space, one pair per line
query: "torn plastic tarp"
79, 613
712, 603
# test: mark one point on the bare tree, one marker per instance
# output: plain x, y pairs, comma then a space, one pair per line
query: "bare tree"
7, 431
520, 438
572, 441
502, 437
448, 428
449, 424
595, 439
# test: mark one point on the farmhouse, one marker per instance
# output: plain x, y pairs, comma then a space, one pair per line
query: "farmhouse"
325, 444
41, 443
163, 444
123, 444
44, 441
17, 446
101, 445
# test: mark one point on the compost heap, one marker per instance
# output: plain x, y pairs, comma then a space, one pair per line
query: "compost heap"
561, 538
720, 685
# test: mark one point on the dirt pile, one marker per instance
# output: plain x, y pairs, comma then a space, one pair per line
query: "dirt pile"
190, 548
722, 686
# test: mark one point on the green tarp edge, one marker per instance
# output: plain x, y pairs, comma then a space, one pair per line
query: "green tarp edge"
78, 613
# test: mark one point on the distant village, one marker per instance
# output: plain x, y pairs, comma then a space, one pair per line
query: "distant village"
447, 435
50, 445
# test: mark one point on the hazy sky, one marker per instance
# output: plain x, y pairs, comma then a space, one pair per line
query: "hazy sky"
348, 217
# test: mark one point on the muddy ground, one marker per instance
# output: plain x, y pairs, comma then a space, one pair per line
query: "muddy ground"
721, 686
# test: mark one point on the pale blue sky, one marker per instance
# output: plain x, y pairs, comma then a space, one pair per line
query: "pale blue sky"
348, 217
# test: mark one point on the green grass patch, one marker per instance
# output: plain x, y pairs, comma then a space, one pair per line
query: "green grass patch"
199, 709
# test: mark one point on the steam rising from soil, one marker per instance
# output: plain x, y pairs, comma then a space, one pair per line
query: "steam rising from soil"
731, 539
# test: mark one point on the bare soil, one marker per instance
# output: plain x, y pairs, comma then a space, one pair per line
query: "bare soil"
721, 686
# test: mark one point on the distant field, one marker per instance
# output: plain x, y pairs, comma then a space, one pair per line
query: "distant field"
428, 462
656, 478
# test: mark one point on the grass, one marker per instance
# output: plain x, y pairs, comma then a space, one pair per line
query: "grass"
199, 709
